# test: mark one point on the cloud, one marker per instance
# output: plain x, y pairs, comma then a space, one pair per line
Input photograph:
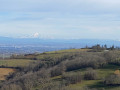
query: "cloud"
60, 18
69, 6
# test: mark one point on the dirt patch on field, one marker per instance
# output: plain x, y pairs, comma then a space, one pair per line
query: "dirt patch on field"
4, 72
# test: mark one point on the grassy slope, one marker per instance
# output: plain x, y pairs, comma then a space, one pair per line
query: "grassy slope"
12, 63
68, 51
109, 69
91, 83
15, 62
56, 54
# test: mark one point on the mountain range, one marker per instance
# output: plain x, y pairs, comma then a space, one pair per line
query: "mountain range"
30, 45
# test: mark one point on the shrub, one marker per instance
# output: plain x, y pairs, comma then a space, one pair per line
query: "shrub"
92, 61
11, 87
90, 74
112, 80
57, 70
72, 78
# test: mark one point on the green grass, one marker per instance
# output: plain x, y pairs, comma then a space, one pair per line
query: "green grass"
84, 83
58, 54
69, 51
15, 62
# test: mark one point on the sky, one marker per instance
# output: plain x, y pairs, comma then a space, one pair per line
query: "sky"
60, 19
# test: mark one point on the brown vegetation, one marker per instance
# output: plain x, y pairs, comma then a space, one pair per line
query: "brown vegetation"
5, 72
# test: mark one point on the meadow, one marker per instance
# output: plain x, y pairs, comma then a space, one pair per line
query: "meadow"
15, 62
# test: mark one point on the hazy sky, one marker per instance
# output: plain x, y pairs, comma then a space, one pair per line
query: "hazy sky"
99, 19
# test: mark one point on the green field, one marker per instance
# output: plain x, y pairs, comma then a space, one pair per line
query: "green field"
57, 54
69, 51
15, 62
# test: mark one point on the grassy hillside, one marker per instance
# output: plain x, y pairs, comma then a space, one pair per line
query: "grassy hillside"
15, 62
93, 84
73, 69
102, 73
8, 66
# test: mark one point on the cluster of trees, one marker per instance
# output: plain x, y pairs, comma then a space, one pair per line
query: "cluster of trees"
90, 74
112, 80
99, 48
88, 60
72, 78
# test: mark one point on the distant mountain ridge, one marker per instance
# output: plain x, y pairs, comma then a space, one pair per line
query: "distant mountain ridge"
37, 41
31, 45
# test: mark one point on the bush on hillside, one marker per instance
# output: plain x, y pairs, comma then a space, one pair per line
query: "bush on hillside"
57, 70
92, 61
90, 74
112, 80
72, 78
